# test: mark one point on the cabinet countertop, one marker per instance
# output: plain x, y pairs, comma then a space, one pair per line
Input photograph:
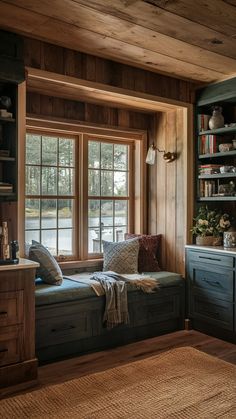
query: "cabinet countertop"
23, 264
218, 249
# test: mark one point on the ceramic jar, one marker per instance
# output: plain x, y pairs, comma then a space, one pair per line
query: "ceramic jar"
217, 119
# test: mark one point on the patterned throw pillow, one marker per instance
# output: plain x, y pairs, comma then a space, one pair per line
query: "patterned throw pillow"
149, 251
49, 270
121, 257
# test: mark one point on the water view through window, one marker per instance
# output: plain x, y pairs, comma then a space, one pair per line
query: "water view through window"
49, 189
108, 193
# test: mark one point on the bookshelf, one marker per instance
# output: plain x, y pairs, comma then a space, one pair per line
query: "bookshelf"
216, 169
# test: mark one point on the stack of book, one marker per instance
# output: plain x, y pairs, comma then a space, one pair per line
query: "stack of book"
209, 169
6, 187
207, 188
203, 122
207, 144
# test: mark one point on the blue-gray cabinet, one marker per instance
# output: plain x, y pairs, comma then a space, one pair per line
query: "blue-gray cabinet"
210, 274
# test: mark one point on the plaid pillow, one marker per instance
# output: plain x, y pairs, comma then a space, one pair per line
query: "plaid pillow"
149, 251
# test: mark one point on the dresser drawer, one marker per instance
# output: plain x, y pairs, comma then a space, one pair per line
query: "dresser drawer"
11, 307
213, 311
212, 279
11, 344
211, 258
160, 309
57, 330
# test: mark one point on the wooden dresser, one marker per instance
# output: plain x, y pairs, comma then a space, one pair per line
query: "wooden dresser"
18, 365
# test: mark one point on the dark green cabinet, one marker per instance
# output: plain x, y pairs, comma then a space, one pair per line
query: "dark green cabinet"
211, 290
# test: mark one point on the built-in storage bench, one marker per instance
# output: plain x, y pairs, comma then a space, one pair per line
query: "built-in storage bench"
69, 317
211, 290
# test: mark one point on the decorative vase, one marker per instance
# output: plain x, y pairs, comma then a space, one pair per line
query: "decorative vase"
208, 241
217, 119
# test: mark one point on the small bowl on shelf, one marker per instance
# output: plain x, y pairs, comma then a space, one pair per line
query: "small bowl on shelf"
225, 147
226, 169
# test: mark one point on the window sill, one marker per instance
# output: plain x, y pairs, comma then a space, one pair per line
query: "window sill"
71, 264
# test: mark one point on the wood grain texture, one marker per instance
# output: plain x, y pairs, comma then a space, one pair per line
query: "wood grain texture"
136, 33
72, 368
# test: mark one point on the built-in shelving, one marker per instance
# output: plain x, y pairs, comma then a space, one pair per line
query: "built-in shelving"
11, 120
217, 198
5, 158
214, 155
217, 176
219, 131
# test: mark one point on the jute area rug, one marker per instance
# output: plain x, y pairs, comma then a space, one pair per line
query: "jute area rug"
181, 383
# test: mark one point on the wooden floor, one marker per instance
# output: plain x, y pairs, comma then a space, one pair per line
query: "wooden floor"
87, 364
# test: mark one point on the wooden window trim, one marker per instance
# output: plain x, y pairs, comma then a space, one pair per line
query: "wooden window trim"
66, 128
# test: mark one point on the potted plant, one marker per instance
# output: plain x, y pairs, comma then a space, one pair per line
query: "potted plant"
209, 226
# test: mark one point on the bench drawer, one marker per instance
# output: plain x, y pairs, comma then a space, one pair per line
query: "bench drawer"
214, 311
212, 279
11, 344
11, 307
160, 309
57, 330
211, 258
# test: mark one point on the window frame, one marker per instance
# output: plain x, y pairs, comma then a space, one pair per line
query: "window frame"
82, 132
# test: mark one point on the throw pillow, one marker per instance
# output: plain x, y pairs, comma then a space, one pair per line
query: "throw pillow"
49, 270
149, 251
121, 257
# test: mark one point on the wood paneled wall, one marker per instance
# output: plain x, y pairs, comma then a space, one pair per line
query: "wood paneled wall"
166, 201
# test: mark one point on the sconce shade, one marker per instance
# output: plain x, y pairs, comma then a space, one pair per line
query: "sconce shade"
151, 155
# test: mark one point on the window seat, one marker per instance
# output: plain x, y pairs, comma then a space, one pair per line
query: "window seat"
69, 317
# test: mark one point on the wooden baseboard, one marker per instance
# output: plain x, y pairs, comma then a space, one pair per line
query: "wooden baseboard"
18, 376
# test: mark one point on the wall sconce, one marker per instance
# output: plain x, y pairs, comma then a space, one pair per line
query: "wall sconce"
151, 155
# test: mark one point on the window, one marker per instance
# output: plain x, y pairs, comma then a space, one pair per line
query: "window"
50, 192
108, 192
80, 188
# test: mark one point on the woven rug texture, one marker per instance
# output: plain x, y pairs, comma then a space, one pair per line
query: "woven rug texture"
183, 383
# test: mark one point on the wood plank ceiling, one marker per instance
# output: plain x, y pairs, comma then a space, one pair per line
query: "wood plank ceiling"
188, 39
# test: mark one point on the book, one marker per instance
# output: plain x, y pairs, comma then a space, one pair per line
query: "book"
203, 122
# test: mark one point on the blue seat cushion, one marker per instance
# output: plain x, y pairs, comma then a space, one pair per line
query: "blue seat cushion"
73, 290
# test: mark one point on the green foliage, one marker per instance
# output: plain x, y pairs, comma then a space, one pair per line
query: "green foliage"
210, 222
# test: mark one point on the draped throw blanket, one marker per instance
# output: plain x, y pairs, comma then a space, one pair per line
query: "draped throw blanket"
115, 289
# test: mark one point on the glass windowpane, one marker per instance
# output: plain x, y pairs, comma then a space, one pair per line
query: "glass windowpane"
33, 149
32, 180
106, 156
94, 242
121, 213
94, 213
48, 213
65, 242
94, 154
120, 184
49, 180
120, 157
106, 213
32, 214
106, 183
65, 181
94, 183
31, 235
66, 152
49, 151
65, 213
120, 233
49, 240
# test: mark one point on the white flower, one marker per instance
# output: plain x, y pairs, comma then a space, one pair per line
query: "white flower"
202, 222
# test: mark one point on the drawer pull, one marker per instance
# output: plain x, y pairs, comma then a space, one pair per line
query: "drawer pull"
3, 350
3, 313
214, 283
61, 329
209, 258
